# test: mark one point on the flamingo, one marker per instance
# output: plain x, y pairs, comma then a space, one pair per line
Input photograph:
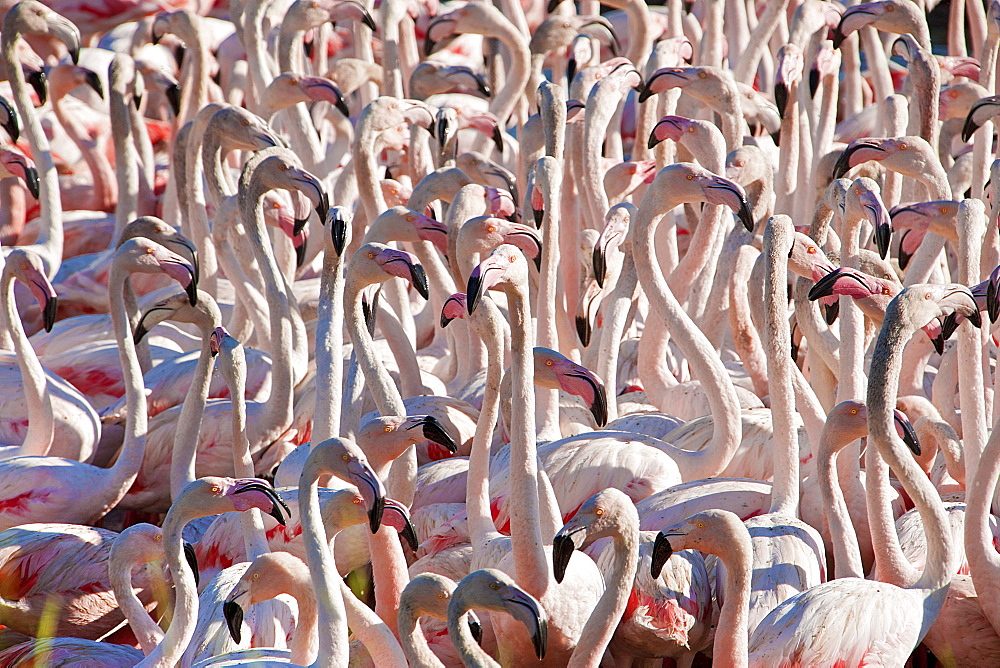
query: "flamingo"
44, 488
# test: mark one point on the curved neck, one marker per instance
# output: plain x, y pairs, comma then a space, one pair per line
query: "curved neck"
616, 313
126, 158
105, 194
846, 552
329, 347
732, 636
506, 100
332, 627
50, 234
177, 637
126, 467
530, 565
704, 362
279, 410
883, 381
415, 647
777, 343
604, 619
365, 165
189, 423
468, 649
984, 562
486, 320
41, 422
120, 576
547, 336
197, 73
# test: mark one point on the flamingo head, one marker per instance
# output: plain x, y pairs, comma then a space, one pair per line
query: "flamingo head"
554, 370
700, 531
611, 237
864, 199
506, 265
22, 167
598, 517
399, 263
338, 222
670, 127
454, 307
28, 268
711, 188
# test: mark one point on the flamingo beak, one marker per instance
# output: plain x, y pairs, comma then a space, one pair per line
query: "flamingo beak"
192, 561
844, 162
569, 539
908, 435
173, 93
11, 125
94, 81
526, 610
434, 431
371, 490
338, 228
233, 613
38, 81
483, 277
661, 552
276, 503
404, 526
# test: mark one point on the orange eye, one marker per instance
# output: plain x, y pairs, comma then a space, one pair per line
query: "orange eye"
886, 291
215, 489
702, 75
357, 500
294, 81
494, 586
409, 219
599, 511
276, 205
854, 411
255, 576
690, 177
283, 168
371, 256
890, 8
442, 596
902, 147
513, 259
811, 250
691, 129
388, 429
548, 362
491, 229
150, 251
346, 457
701, 525
943, 210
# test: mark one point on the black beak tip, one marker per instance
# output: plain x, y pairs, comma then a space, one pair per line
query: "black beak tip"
39, 83
192, 561
745, 216
552, 5
338, 234
838, 38
948, 326
299, 225
652, 141
410, 536
173, 94
31, 180
583, 330
781, 98
832, 311
300, 255
976, 319
375, 514
538, 215
51, 306
969, 128
435, 431
938, 342
192, 292
883, 234
342, 107
74, 54
599, 267
445, 321
540, 639
234, 619
600, 407
476, 629
428, 45
139, 334
813, 82
661, 552
992, 302
94, 81
419, 280
369, 21
498, 138
644, 92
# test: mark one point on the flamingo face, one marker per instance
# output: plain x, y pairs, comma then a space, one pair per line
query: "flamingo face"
27, 268
454, 307
430, 230
506, 263
574, 379
611, 237
857, 152
338, 222
669, 127
398, 518
403, 265
725, 192
790, 63
855, 18
864, 194
980, 112
499, 203
247, 493
20, 166
322, 89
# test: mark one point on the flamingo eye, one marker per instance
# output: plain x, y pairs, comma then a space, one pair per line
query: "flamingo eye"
691, 129
701, 525
890, 8
442, 596
902, 147
276, 205
409, 219
345, 457
702, 75
854, 411
548, 362
491, 229
953, 94
371, 256
158, 537
294, 81
927, 296
283, 168
599, 511
494, 586
215, 489
811, 250
943, 210
357, 500
513, 258
245, 123
690, 177
886, 291
388, 429
150, 251
255, 576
